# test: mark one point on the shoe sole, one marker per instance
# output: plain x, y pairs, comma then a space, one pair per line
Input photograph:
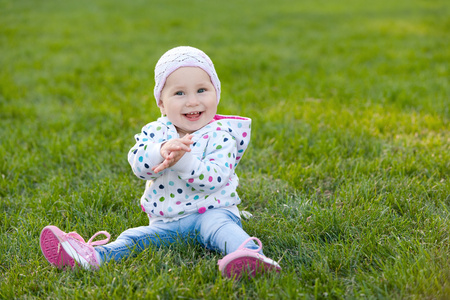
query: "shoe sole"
52, 249
249, 265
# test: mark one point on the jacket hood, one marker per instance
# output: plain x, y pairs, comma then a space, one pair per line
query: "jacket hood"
238, 127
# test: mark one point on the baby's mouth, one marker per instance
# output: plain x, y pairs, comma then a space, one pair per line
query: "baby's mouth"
193, 115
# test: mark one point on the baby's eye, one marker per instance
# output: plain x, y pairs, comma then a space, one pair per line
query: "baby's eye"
179, 93
201, 90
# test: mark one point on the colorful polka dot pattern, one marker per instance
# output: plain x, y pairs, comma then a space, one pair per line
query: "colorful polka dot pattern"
203, 179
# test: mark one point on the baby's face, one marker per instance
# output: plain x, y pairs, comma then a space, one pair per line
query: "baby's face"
188, 99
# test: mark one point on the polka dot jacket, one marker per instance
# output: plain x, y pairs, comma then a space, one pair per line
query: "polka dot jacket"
202, 179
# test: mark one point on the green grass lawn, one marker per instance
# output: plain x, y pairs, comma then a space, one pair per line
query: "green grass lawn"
347, 175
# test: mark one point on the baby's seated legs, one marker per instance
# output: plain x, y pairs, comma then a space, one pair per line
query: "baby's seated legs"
221, 230
136, 240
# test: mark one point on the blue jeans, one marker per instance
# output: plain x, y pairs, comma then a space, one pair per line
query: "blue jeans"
216, 229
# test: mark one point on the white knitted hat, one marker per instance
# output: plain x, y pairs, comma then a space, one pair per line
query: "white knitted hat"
183, 56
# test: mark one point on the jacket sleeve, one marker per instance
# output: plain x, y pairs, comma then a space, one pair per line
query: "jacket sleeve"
145, 154
214, 170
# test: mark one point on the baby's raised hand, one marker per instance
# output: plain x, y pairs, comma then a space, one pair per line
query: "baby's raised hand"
172, 151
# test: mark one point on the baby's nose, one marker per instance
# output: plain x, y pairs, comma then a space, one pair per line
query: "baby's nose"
192, 100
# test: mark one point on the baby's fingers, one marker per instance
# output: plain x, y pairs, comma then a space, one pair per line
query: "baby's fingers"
188, 136
159, 168
177, 147
162, 166
187, 139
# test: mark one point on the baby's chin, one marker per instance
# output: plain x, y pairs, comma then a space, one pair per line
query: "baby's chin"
183, 132
192, 129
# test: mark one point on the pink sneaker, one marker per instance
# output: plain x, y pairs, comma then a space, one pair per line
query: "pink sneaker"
246, 261
64, 249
